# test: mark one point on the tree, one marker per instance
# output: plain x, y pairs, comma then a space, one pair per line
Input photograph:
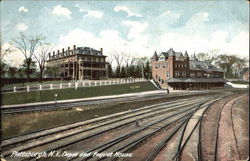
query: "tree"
226, 62
27, 46
4, 65
110, 72
117, 72
5, 52
206, 57
20, 72
28, 69
132, 71
118, 57
138, 71
12, 71
141, 62
41, 56
52, 71
3, 68
147, 71
123, 72
239, 65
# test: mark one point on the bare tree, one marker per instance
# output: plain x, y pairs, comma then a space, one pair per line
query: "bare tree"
110, 59
209, 57
118, 57
5, 52
27, 46
41, 56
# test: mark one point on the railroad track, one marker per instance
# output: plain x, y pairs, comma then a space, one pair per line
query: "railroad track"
228, 141
69, 105
128, 114
56, 106
130, 145
208, 143
77, 134
178, 130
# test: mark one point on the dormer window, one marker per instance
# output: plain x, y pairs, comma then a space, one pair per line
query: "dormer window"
162, 59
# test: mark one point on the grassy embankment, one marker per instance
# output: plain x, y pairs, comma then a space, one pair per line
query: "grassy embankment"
71, 93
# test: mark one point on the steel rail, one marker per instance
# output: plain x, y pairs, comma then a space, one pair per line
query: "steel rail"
84, 130
129, 112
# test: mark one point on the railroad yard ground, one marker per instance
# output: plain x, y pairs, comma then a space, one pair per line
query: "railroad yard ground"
210, 125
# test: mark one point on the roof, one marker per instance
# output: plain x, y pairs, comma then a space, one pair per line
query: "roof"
155, 56
201, 65
189, 80
88, 51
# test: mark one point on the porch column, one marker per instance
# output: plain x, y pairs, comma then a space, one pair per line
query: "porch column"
91, 71
73, 70
68, 69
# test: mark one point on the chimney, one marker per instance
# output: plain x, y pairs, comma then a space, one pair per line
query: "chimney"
63, 52
74, 46
49, 56
53, 55
58, 53
101, 50
68, 50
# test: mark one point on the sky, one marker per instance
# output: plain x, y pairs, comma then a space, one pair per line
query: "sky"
136, 27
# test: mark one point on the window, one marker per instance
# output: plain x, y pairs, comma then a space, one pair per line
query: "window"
176, 65
199, 74
167, 74
184, 74
156, 76
162, 58
217, 75
192, 75
177, 73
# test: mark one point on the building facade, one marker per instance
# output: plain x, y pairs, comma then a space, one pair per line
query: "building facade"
79, 63
176, 71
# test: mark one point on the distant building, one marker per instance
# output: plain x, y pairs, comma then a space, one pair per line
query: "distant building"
79, 63
176, 71
245, 74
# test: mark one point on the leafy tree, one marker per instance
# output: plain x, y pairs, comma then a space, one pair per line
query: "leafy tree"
226, 62
117, 72
12, 71
131, 71
28, 66
3, 68
239, 65
110, 72
123, 72
138, 71
20, 72
52, 71
147, 71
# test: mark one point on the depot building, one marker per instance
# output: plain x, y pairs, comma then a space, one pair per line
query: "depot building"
177, 71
